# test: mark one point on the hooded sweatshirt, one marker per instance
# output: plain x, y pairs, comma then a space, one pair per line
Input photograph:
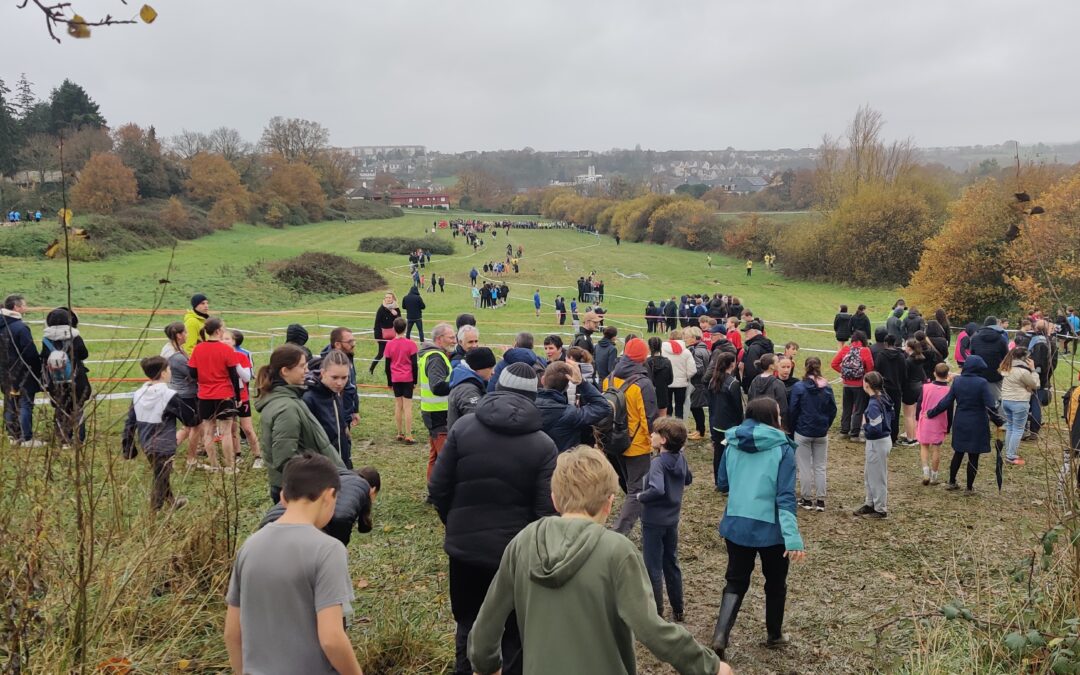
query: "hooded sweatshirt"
641, 407
605, 357
812, 408
298, 335
682, 362
581, 595
466, 390
893, 367
758, 472
663, 492
153, 414
193, 323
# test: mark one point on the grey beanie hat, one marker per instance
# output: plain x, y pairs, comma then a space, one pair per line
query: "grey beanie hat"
519, 378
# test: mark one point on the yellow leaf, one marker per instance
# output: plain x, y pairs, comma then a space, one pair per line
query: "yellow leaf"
77, 27
148, 14
184, 664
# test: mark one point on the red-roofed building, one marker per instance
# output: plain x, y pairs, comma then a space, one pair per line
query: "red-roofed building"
416, 199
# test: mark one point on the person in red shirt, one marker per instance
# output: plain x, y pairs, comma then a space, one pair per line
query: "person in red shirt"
401, 354
216, 367
854, 400
733, 334
234, 339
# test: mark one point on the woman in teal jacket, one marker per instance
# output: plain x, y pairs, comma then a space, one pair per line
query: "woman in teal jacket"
758, 473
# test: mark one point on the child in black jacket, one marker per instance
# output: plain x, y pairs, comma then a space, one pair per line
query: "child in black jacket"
155, 408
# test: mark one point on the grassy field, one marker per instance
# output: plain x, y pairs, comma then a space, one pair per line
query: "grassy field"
156, 593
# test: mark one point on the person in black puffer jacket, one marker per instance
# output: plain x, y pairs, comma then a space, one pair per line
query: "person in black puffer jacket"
353, 507
492, 478
755, 346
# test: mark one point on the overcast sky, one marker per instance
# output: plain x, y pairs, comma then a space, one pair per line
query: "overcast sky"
569, 74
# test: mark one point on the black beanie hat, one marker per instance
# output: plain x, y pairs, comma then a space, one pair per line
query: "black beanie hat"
480, 358
198, 299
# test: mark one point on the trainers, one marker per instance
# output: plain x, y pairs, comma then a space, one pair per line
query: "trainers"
32, 443
179, 503
934, 478
807, 504
877, 515
864, 510
676, 617
969, 492
1015, 461
694, 436
258, 463
952, 486
1029, 436
926, 477
778, 642
819, 505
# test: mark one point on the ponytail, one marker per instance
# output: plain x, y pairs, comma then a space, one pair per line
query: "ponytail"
286, 356
172, 332
875, 381
212, 326
813, 369
765, 362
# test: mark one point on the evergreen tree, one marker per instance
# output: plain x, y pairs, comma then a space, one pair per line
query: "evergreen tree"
9, 133
71, 106
24, 97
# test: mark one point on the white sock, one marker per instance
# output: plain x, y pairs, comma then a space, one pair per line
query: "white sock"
926, 471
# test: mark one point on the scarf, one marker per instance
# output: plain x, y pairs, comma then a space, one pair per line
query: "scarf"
204, 316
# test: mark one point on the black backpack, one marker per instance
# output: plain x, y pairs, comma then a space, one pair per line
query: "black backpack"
613, 432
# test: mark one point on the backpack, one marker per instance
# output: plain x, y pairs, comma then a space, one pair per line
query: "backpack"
852, 366
58, 367
613, 432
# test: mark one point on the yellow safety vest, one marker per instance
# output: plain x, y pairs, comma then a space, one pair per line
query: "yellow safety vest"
429, 402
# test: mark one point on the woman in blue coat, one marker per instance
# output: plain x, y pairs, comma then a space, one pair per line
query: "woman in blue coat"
975, 408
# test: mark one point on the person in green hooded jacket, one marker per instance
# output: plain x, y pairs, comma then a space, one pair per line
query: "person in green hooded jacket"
579, 590
287, 426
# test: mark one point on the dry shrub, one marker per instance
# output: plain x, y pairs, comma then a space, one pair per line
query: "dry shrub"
326, 273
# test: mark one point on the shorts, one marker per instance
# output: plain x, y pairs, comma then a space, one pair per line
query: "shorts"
221, 409
244, 410
402, 389
189, 412
912, 392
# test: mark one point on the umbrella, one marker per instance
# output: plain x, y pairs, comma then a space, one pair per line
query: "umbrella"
999, 445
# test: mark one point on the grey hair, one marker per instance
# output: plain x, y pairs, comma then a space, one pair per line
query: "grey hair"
464, 330
441, 330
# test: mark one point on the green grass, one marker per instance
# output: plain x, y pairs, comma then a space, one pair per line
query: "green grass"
934, 547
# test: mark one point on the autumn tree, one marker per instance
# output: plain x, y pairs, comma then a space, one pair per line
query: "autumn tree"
860, 158
334, 169
295, 139
1043, 261
961, 268
477, 188
105, 185
294, 184
750, 237
228, 143
140, 150
665, 220
83, 144
175, 215
187, 144
215, 183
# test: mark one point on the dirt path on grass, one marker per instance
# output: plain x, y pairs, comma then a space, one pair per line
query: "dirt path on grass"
935, 546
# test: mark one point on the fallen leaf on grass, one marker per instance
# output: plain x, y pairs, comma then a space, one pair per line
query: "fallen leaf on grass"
362, 583
410, 526
889, 575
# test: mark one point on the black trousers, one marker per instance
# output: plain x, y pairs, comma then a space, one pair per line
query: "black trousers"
468, 585
774, 566
678, 400
717, 452
896, 397
972, 467
699, 419
852, 406
419, 323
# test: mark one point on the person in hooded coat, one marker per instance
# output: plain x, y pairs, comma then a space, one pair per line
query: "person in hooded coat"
937, 336
892, 365
516, 355
468, 383
661, 375
976, 407
682, 370
842, 326
297, 335
352, 507
755, 346
758, 474
492, 478
811, 412
963, 343
195, 319
414, 308
564, 421
895, 325
69, 388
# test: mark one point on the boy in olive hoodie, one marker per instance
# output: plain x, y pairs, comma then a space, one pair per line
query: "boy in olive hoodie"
580, 591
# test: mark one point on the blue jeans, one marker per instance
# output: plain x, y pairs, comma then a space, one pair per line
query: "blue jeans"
19, 415
659, 547
1016, 413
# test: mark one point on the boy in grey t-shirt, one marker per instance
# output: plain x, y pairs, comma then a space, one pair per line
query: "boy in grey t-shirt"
290, 591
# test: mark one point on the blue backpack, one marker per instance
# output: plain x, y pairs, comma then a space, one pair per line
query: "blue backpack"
58, 367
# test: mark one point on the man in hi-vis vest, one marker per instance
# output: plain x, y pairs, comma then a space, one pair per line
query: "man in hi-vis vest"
433, 364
